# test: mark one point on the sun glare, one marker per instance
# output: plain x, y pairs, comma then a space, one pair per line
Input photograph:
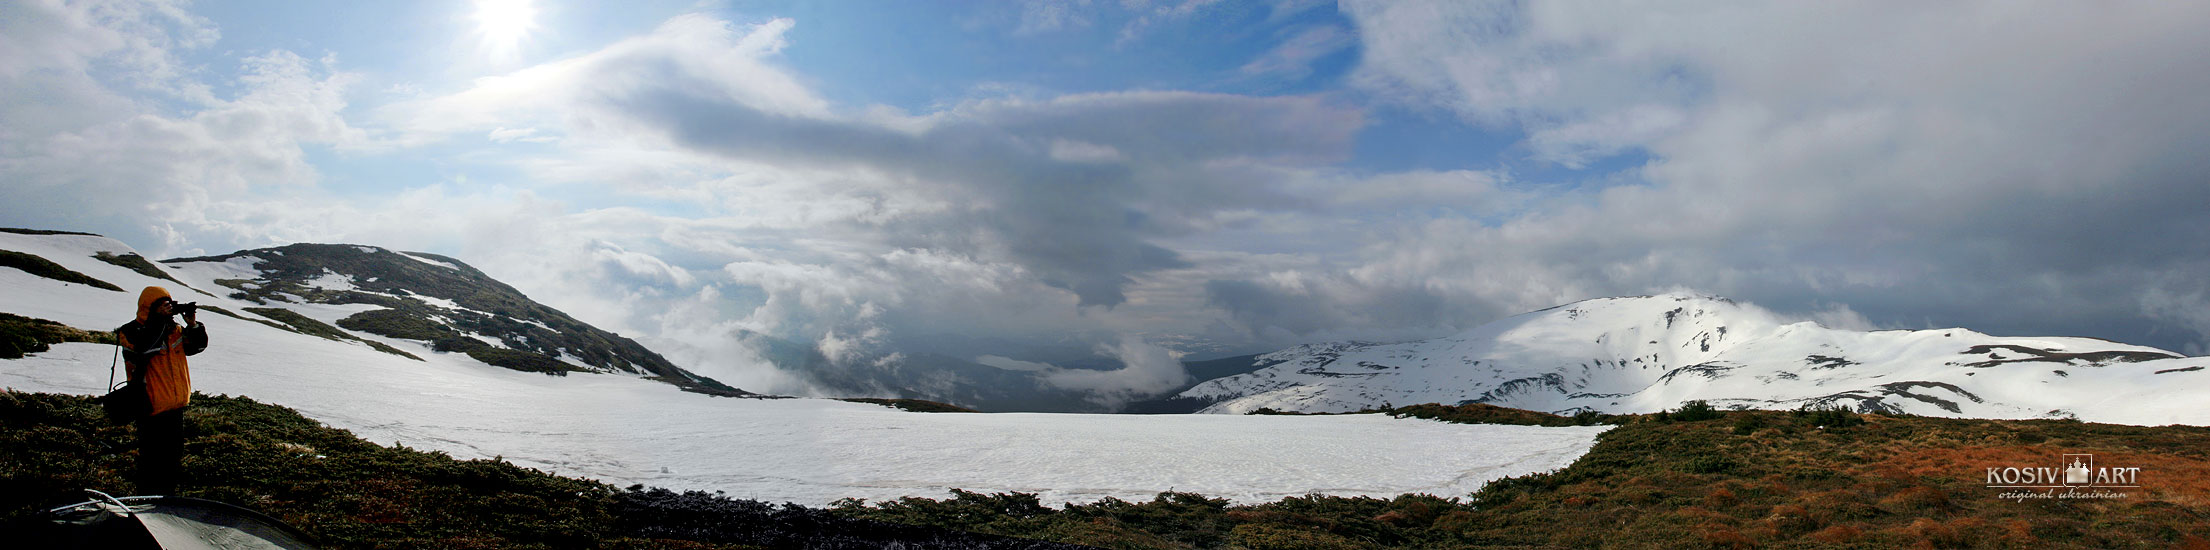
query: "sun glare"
504, 23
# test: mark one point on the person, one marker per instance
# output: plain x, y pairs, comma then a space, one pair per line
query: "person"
154, 347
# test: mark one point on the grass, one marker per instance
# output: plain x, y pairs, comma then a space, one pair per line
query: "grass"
1482, 413
40, 266
21, 335
139, 264
309, 326
349, 493
397, 324
525, 361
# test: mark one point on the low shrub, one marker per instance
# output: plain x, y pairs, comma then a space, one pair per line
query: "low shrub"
1266, 536
138, 264
1748, 424
1837, 534
912, 405
1828, 416
396, 324
523, 361
1483, 413
1694, 411
309, 326
40, 266
21, 335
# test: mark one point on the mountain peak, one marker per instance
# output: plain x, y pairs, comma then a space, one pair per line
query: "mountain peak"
435, 300
1639, 354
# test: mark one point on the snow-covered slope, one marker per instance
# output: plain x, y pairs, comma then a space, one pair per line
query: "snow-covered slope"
624, 429
1643, 354
349, 291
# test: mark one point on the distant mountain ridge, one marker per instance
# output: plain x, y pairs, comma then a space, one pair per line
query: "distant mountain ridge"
1648, 353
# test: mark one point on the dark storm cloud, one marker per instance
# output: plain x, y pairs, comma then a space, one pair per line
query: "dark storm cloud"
1071, 188
2041, 176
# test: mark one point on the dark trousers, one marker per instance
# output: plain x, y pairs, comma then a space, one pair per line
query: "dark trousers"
160, 452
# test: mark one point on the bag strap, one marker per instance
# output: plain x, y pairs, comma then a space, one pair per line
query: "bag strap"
112, 362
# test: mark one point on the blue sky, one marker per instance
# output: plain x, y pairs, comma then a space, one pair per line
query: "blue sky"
1137, 177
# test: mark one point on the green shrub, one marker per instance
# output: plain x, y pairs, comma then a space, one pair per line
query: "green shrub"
1708, 464
457, 344
302, 324
309, 326
15, 346
912, 405
1748, 424
1483, 413
136, 263
1262, 536
396, 324
523, 361
21, 335
1828, 416
36, 265
22, 231
1694, 411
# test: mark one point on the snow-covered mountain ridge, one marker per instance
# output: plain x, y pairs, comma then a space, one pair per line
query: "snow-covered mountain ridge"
1647, 353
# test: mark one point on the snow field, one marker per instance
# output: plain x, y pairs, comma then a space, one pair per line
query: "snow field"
623, 430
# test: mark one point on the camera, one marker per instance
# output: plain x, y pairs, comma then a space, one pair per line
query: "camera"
185, 308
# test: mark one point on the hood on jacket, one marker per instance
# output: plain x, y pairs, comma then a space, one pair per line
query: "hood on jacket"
146, 298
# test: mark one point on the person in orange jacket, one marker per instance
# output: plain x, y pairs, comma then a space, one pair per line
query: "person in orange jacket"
154, 347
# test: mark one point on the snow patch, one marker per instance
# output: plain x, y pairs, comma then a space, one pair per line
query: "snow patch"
495, 342
439, 302
431, 262
197, 273
331, 280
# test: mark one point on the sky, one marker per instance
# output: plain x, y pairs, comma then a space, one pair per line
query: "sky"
1034, 181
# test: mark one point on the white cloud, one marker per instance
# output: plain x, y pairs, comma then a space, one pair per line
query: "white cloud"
503, 134
1840, 316
139, 38
1041, 16
1293, 58
161, 170
1577, 143
1147, 370
689, 54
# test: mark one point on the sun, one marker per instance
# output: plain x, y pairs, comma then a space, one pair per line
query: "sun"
504, 23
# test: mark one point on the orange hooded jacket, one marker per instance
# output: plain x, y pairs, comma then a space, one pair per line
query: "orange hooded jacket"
156, 353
